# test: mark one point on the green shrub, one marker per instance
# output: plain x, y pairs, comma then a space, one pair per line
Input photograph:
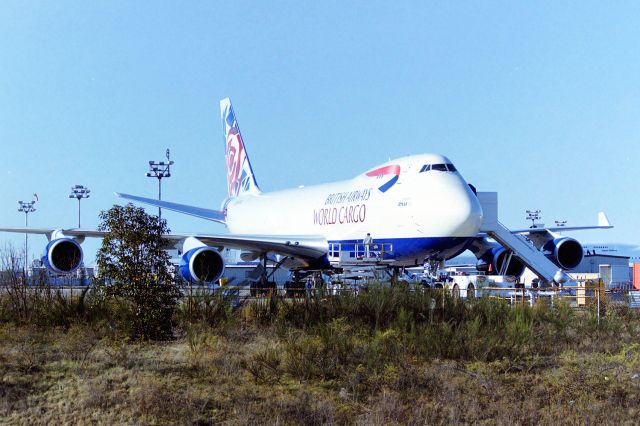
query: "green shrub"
325, 351
134, 268
486, 331
203, 306
264, 366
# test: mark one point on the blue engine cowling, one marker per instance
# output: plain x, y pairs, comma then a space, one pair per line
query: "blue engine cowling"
565, 252
495, 257
202, 264
62, 256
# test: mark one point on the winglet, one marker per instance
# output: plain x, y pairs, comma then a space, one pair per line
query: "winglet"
603, 220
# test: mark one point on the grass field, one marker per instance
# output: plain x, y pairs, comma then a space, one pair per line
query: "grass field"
389, 356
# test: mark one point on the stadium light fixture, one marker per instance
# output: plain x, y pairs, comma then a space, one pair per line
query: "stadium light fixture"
533, 215
79, 192
26, 207
160, 170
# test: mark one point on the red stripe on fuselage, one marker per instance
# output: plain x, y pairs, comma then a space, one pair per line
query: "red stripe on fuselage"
386, 170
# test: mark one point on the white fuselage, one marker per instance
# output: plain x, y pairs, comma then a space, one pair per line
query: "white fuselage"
417, 205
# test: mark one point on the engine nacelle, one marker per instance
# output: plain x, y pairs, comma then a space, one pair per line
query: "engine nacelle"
202, 264
495, 258
63, 255
565, 252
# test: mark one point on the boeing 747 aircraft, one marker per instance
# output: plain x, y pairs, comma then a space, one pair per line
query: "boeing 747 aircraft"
417, 207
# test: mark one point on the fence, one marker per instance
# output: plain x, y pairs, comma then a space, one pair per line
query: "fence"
578, 295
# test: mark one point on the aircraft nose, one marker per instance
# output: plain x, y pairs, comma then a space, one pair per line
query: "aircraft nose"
463, 214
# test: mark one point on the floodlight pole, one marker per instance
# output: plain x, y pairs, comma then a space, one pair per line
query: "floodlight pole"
533, 215
79, 192
26, 207
160, 170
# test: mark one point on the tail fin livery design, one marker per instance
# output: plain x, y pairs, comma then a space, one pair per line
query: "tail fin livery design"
240, 177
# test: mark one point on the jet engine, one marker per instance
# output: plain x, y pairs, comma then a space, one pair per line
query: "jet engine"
63, 255
565, 252
202, 264
495, 258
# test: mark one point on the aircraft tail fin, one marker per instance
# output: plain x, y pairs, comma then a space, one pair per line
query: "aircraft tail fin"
240, 177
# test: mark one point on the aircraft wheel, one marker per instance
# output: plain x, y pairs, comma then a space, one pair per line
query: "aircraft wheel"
471, 292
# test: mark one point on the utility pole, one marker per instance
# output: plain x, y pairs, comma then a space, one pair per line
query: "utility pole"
160, 170
79, 192
26, 207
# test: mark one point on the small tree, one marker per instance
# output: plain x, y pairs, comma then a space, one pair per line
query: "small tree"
134, 267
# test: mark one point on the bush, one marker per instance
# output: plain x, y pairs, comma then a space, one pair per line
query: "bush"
203, 306
264, 366
323, 353
37, 302
134, 269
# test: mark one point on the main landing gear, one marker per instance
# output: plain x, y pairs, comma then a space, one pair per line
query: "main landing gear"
265, 286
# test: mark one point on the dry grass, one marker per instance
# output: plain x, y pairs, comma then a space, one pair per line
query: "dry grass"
372, 361
48, 377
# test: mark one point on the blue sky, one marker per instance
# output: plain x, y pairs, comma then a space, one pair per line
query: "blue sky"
539, 101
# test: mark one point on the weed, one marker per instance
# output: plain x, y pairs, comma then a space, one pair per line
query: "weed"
303, 408
265, 365
31, 347
77, 343
323, 353
211, 308
159, 401
118, 351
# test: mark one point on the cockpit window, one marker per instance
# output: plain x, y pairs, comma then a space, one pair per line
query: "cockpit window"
438, 167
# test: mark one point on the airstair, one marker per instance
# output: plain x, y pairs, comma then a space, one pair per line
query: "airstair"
518, 245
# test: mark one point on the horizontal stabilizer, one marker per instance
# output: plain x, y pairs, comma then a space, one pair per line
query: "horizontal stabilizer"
213, 215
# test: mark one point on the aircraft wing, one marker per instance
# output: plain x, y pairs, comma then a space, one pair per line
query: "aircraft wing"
530, 231
603, 223
208, 214
75, 232
302, 247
